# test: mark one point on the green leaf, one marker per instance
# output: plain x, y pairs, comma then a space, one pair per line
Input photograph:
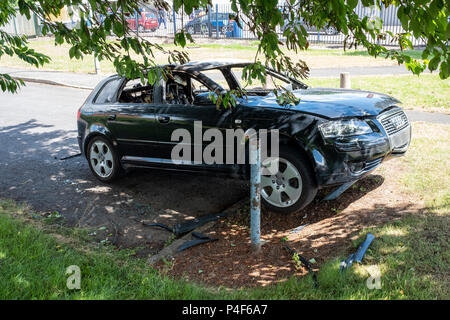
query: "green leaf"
118, 29
352, 3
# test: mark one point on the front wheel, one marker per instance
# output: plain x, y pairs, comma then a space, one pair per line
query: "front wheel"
293, 187
103, 159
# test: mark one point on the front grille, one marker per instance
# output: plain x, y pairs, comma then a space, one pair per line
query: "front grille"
394, 122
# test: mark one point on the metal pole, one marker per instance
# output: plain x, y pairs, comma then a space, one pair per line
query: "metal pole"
255, 194
381, 18
174, 21
96, 65
209, 22
137, 23
345, 80
15, 25
36, 27
217, 21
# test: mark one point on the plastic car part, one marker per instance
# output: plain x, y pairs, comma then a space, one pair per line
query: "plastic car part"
363, 247
358, 256
305, 262
182, 228
159, 225
339, 190
199, 239
298, 229
70, 157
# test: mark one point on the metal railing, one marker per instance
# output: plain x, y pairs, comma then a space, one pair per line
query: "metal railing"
214, 23
203, 23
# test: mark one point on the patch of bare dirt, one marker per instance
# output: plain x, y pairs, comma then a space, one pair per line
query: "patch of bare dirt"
330, 228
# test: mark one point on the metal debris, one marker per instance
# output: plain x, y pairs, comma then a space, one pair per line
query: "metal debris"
359, 254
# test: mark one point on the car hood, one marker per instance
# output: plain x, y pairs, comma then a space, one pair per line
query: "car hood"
330, 102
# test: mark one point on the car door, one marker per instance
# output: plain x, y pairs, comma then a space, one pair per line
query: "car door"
195, 119
133, 126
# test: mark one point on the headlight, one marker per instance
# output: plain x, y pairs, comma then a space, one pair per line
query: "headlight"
340, 128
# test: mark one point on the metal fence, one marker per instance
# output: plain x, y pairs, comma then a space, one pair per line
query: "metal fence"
214, 23
20, 25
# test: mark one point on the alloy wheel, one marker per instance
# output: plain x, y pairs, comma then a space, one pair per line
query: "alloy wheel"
101, 159
284, 188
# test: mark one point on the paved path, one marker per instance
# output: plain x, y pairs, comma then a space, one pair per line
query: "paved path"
68, 79
359, 71
433, 117
38, 127
89, 81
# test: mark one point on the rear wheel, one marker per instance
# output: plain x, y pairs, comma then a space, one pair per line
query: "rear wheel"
141, 28
103, 159
293, 187
191, 30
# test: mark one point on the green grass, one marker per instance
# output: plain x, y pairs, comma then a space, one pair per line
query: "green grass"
428, 161
33, 266
426, 92
412, 266
412, 254
315, 58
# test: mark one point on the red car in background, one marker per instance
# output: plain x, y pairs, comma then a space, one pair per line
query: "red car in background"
147, 20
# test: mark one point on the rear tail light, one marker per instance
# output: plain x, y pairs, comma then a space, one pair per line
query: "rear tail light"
79, 113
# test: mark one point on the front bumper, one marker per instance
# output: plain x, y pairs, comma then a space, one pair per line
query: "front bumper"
352, 158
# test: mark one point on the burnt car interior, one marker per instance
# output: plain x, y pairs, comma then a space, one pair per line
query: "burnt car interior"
135, 92
185, 88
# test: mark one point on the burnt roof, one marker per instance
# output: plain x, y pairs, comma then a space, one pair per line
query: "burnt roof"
208, 65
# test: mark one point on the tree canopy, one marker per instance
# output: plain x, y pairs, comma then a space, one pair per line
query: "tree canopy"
104, 33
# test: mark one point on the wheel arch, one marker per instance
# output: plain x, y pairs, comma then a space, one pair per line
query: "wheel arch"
303, 151
97, 130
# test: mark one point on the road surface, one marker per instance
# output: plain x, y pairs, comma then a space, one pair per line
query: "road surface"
38, 127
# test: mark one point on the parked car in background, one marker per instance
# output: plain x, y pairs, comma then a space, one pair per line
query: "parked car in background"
147, 21
331, 137
202, 24
329, 30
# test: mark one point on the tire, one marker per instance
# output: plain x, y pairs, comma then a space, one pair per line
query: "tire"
141, 28
224, 30
297, 186
103, 159
191, 30
331, 31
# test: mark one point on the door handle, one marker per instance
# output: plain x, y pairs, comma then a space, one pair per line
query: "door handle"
164, 119
112, 116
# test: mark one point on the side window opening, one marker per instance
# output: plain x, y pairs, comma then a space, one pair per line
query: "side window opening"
135, 92
218, 77
108, 92
257, 88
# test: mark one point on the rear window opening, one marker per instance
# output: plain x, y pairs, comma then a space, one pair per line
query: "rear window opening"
135, 92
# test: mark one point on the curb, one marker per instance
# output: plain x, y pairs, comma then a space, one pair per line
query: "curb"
53, 83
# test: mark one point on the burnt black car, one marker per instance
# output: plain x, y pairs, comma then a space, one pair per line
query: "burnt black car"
331, 137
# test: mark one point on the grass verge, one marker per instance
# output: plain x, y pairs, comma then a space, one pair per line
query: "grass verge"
425, 92
412, 254
315, 58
